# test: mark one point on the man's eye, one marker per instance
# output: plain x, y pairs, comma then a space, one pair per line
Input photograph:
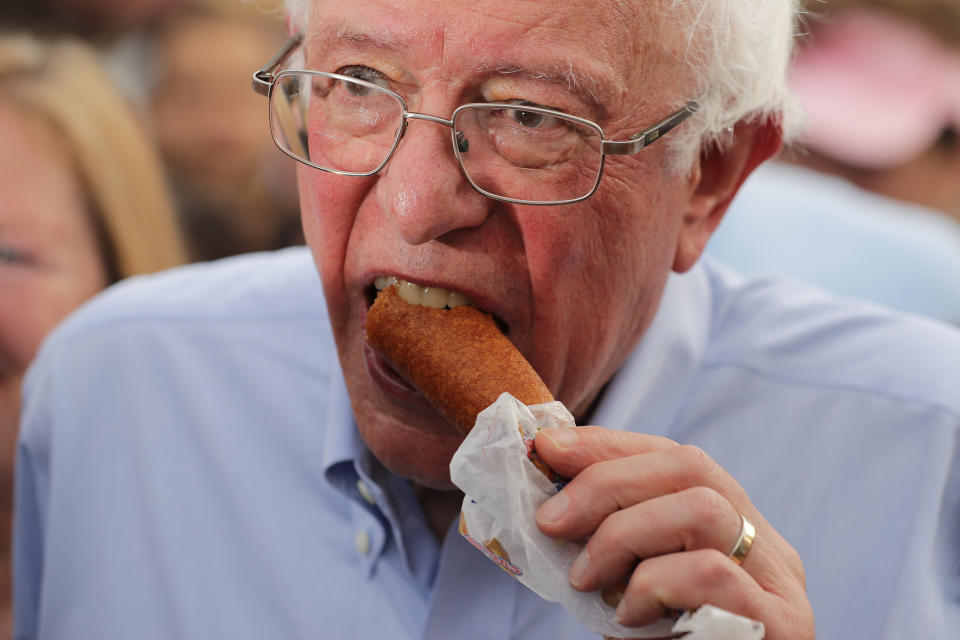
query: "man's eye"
367, 74
532, 119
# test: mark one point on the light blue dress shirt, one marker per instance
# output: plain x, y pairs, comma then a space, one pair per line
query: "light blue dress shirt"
189, 468
792, 221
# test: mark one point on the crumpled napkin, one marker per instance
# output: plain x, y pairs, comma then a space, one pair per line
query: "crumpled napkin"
504, 484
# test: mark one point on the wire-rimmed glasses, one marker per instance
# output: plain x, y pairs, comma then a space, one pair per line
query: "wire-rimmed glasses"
513, 152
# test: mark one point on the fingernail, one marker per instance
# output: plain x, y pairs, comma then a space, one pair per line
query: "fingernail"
621, 611
562, 437
578, 570
553, 509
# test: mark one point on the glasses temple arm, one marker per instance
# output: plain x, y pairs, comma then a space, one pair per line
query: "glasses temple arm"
263, 78
647, 137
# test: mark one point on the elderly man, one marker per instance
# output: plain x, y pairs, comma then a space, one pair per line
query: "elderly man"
217, 452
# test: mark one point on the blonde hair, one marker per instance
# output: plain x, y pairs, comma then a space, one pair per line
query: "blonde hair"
64, 82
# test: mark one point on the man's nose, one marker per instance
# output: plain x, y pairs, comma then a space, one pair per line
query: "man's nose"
423, 190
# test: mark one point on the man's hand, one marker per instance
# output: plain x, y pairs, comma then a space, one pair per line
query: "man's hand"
662, 519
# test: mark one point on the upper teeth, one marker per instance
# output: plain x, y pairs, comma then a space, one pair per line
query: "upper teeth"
435, 297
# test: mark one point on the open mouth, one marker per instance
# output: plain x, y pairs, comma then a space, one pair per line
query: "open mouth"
434, 297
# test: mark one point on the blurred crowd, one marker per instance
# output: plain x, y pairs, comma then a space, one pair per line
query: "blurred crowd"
130, 141
866, 202
184, 67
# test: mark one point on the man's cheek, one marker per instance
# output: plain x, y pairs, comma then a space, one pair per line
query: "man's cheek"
556, 246
328, 205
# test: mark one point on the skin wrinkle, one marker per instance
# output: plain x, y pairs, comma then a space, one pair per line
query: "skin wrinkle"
366, 40
575, 81
581, 79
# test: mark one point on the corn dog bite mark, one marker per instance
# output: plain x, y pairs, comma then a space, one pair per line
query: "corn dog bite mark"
457, 358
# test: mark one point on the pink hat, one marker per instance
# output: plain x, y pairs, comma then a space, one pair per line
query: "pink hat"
876, 90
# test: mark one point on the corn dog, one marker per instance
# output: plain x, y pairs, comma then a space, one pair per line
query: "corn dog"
457, 358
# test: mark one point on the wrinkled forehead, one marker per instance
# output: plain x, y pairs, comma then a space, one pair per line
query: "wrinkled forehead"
607, 47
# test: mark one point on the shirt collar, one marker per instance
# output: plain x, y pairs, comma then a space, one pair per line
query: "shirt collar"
342, 442
649, 390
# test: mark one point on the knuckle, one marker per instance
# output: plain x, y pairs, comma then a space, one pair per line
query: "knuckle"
612, 440
592, 478
615, 532
709, 514
660, 442
795, 564
667, 442
695, 462
715, 569
589, 501
602, 482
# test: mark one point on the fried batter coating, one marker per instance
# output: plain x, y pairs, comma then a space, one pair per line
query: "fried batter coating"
457, 358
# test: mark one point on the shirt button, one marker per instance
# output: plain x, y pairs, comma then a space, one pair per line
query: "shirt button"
362, 542
365, 492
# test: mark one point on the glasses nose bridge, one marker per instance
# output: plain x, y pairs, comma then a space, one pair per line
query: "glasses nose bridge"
413, 115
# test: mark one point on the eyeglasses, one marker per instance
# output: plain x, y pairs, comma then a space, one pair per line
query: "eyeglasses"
514, 152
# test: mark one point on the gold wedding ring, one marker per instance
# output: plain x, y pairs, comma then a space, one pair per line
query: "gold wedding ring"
747, 534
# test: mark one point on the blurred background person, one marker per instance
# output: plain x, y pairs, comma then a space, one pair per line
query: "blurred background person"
186, 65
868, 203
236, 191
90, 19
83, 204
880, 83
121, 31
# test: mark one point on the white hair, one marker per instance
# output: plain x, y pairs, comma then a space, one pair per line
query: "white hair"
738, 52
299, 11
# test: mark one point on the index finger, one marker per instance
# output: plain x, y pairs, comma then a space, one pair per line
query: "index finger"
569, 451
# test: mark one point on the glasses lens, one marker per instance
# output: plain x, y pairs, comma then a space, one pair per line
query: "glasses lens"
528, 153
335, 123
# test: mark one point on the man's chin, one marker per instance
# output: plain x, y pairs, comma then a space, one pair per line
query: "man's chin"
428, 466
399, 426
415, 443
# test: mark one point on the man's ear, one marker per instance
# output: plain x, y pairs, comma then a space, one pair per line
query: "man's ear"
715, 179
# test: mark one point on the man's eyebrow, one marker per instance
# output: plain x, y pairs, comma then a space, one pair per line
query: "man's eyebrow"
576, 81
344, 33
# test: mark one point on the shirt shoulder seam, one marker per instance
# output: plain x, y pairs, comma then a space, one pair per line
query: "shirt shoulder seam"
953, 412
